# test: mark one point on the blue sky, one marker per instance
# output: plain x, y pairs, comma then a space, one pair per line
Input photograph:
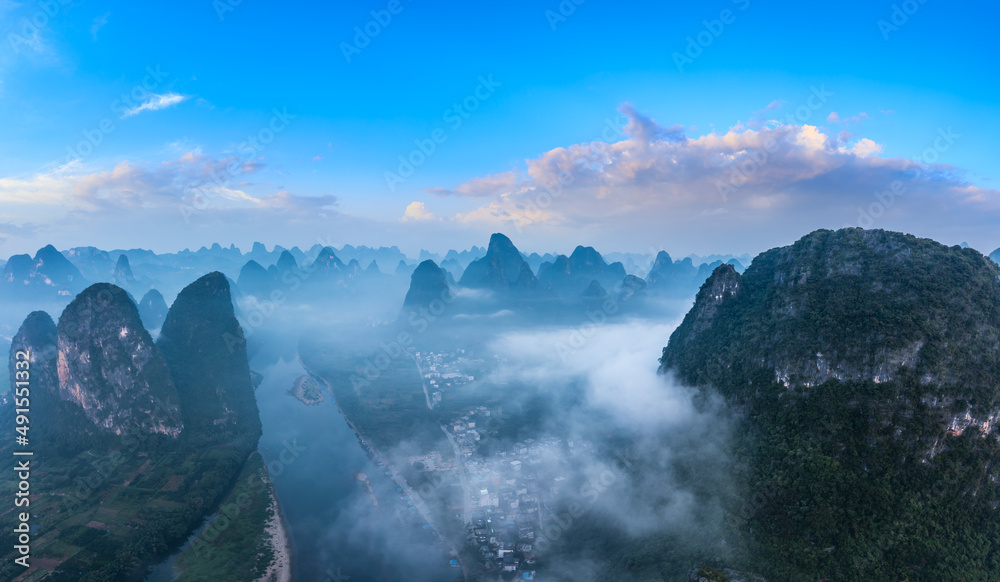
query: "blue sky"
893, 76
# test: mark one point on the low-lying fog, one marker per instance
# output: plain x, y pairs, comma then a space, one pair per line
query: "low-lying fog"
634, 457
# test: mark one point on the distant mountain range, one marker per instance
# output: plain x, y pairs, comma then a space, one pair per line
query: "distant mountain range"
47, 273
54, 276
584, 280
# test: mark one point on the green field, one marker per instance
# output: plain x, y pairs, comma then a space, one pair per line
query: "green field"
102, 516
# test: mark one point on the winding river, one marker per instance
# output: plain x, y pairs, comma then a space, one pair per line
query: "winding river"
336, 531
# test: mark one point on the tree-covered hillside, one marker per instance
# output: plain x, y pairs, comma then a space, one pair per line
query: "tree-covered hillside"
863, 367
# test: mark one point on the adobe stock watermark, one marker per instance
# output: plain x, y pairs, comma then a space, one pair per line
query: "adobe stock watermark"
203, 545
590, 493
747, 168
453, 117
104, 468
363, 35
223, 7
419, 321
249, 150
256, 315
652, 253
290, 452
126, 102
579, 336
561, 14
548, 193
337, 576
886, 198
818, 96
711, 30
755, 159
30, 27
900, 15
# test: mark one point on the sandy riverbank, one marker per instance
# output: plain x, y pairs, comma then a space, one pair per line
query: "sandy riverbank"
280, 569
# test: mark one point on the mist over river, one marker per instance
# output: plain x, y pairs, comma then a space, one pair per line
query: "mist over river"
336, 532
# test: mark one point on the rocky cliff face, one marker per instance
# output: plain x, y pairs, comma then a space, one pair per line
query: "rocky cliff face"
97, 374
38, 337
706, 574
110, 368
850, 305
205, 349
723, 285
57, 426
864, 370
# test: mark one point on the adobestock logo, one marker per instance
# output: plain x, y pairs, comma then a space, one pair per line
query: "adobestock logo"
711, 30
454, 117
900, 15
363, 35
886, 198
30, 28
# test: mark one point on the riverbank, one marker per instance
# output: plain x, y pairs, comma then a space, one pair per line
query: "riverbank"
276, 534
383, 462
246, 540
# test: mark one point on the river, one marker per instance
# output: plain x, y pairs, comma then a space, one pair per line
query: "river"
336, 532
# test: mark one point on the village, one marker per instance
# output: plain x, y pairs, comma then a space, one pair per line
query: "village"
508, 489
511, 492
445, 371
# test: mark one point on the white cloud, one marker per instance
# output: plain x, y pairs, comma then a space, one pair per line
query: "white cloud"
491, 185
835, 118
864, 147
417, 211
192, 198
776, 104
753, 185
156, 103
811, 138
194, 179
617, 363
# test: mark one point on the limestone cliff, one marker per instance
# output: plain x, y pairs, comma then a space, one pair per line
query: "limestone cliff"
109, 366
205, 349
